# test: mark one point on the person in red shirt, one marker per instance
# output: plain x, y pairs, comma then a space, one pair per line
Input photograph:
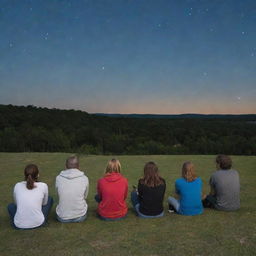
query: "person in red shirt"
112, 192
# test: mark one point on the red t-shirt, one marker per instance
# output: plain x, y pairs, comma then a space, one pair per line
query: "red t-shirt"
112, 189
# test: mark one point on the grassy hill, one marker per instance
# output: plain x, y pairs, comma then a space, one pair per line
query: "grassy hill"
212, 233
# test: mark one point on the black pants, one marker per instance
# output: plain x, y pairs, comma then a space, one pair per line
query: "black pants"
209, 202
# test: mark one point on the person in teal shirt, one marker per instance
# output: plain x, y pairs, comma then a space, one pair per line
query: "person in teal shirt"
189, 191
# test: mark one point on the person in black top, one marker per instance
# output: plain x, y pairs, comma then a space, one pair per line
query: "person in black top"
148, 200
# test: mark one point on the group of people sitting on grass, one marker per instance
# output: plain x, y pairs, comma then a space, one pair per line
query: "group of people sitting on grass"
32, 204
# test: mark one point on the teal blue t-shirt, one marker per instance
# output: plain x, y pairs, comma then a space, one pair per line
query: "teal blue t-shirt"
190, 196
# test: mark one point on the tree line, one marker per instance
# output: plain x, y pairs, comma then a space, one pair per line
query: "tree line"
34, 129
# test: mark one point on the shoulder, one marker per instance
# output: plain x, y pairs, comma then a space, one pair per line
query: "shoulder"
179, 181
198, 179
19, 185
163, 180
215, 174
234, 171
42, 185
100, 180
85, 178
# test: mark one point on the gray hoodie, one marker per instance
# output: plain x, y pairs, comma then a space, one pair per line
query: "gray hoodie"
72, 187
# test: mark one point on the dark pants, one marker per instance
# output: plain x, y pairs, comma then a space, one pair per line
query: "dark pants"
12, 208
209, 202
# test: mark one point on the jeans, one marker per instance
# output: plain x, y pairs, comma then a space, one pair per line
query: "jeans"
136, 206
98, 200
12, 208
174, 203
79, 219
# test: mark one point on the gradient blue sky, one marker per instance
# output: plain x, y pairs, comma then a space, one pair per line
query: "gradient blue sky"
134, 56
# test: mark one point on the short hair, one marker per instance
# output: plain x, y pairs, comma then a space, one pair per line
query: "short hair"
113, 166
224, 162
72, 162
188, 171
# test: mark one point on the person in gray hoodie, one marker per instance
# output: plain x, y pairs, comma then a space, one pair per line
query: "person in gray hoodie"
72, 187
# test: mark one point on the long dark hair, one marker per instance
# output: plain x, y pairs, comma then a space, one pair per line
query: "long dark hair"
151, 177
31, 174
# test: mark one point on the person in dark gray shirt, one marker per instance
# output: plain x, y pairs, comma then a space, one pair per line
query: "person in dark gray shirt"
225, 186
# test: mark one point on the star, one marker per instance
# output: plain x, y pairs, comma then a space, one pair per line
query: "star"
238, 98
10, 45
103, 68
243, 32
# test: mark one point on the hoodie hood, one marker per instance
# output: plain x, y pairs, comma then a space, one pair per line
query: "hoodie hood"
71, 173
112, 177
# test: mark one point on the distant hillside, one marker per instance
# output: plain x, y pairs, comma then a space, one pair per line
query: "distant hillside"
38, 129
176, 116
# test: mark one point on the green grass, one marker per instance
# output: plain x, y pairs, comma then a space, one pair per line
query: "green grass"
212, 233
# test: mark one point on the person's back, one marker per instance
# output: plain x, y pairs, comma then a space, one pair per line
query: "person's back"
151, 198
72, 187
190, 196
227, 189
112, 189
189, 192
31, 201
29, 204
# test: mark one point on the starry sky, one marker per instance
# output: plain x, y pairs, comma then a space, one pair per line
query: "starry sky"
129, 56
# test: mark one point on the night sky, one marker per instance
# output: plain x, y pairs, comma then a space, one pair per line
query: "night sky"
136, 56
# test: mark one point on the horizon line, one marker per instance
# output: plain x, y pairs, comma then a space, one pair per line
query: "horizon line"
113, 113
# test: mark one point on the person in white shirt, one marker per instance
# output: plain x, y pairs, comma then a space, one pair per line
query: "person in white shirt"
72, 188
32, 203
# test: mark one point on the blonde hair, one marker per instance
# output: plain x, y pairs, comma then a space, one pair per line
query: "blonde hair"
113, 166
188, 171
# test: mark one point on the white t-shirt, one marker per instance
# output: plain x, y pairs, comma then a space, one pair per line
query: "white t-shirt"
29, 204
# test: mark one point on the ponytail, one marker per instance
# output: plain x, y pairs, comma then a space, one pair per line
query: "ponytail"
31, 174
30, 182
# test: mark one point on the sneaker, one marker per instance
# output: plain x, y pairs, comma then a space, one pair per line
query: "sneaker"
171, 208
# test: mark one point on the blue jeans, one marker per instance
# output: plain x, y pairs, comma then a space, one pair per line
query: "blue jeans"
12, 208
174, 203
98, 200
136, 206
79, 219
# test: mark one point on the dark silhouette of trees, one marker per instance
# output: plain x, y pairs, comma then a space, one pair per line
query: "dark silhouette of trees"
40, 129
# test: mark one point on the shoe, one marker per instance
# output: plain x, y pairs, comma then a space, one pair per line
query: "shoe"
171, 208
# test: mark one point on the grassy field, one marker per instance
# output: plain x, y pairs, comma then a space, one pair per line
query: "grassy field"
212, 233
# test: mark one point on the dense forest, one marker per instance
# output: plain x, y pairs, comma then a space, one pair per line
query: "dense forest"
37, 129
